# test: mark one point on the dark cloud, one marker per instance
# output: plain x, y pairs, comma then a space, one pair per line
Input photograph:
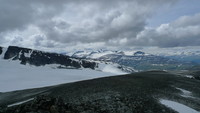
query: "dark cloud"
14, 15
100, 21
38, 40
51, 23
19, 14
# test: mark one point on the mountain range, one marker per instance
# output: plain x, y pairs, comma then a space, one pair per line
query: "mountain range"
33, 81
126, 61
139, 60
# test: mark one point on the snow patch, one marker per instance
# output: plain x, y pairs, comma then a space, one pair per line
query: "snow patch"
80, 54
189, 76
28, 55
20, 53
110, 68
185, 93
100, 54
18, 103
3, 53
177, 106
129, 53
157, 64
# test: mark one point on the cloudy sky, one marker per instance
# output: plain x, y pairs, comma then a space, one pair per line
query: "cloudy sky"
63, 25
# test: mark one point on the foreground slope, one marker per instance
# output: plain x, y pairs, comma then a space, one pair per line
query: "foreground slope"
146, 92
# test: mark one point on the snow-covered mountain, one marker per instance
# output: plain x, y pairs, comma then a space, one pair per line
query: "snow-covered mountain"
93, 54
136, 59
100, 53
185, 55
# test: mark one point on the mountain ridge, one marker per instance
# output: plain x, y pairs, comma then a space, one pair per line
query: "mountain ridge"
136, 59
39, 58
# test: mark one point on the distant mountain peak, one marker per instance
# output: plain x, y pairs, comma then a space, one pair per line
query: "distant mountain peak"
139, 53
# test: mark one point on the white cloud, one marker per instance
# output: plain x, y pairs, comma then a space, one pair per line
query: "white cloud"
184, 31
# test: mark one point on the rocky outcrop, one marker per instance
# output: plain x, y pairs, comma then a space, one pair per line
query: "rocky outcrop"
39, 58
197, 75
139, 53
1, 50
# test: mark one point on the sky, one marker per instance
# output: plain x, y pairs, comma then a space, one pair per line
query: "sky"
66, 25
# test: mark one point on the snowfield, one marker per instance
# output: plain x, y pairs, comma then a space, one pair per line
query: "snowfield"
14, 76
180, 108
110, 68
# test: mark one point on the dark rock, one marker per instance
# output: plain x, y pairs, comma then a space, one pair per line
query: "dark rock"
1, 50
14, 52
197, 75
139, 53
88, 64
